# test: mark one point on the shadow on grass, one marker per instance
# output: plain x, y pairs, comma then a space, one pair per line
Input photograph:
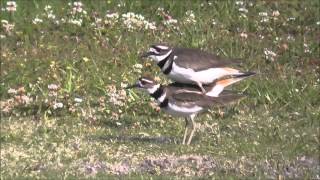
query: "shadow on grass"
138, 139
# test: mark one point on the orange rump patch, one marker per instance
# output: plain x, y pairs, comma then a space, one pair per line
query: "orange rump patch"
225, 82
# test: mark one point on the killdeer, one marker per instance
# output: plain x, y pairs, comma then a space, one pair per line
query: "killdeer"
187, 101
185, 65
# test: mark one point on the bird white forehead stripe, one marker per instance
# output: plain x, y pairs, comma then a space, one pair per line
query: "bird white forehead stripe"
153, 89
162, 47
147, 80
160, 58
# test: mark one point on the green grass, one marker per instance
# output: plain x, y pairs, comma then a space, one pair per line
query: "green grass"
274, 133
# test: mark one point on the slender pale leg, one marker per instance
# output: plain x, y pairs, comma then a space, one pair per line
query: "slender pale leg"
194, 126
185, 131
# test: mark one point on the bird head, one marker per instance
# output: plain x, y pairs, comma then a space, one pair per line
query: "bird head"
157, 52
145, 83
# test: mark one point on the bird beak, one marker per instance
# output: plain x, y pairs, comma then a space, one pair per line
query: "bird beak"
145, 55
133, 86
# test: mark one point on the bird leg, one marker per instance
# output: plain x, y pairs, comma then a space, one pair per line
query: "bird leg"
201, 87
185, 131
194, 126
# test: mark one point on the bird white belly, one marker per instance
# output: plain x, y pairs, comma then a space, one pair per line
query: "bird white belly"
187, 75
181, 75
175, 110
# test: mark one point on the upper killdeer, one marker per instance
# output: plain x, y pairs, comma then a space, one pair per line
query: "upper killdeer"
187, 100
194, 66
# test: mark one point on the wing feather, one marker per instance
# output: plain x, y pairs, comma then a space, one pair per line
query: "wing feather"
200, 60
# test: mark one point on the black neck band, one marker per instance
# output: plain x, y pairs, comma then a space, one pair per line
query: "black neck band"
162, 62
157, 93
164, 103
169, 68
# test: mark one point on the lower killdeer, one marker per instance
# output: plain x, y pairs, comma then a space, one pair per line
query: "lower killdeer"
191, 66
187, 101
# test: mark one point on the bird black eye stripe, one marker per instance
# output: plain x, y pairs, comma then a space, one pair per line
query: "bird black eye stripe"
152, 53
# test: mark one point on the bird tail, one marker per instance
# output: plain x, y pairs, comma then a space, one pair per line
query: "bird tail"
228, 98
233, 79
219, 85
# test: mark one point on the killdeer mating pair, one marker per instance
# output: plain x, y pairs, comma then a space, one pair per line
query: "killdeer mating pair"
198, 86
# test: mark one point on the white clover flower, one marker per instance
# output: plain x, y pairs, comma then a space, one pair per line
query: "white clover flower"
116, 97
63, 20
318, 23
243, 10
51, 16
78, 100
12, 91
160, 9
37, 20
25, 99
239, 3
306, 48
290, 37
190, 19
112, 15
276, 13
47, 8
136, 21
77, 7
151, 26
269, 55
53, 87
11, 6
7, 26
123, 85
77, 4
170, 21
244, 35
98, 20
265, 19
138, 66
2, 36
111, 18
3, 21
213, 22
263, 14
57, 105
242, 15
77, 22
291, 19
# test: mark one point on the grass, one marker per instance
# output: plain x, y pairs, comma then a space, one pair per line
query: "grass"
112, 133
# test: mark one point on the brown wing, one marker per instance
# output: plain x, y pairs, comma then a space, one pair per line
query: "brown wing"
186, 98
200, 60
227, 97
189, 99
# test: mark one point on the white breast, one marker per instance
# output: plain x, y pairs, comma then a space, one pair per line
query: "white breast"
175, 110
